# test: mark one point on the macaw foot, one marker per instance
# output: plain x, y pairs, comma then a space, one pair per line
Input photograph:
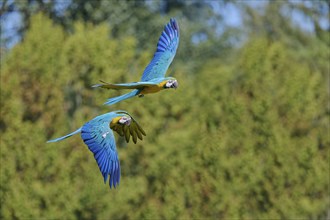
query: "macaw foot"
141, 95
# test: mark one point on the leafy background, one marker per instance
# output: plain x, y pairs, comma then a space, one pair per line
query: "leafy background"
245, 136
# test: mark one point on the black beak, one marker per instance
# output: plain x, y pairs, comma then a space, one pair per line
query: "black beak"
175, 85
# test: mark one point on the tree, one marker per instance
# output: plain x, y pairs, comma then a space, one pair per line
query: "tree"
242, 137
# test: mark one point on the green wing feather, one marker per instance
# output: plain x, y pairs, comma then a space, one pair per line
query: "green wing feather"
134, 129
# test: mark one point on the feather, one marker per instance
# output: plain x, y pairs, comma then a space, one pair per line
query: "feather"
166, 49
64, 137
117, 99
99, 138
165, 52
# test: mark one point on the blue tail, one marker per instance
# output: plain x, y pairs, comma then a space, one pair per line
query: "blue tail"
117, 99
66, 136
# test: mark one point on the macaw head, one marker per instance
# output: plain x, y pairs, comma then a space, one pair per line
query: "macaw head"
171, 83
125, 120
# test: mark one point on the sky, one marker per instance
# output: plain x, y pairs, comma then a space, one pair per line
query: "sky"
10, 23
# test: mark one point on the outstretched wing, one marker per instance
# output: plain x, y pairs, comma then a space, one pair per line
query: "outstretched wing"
166, 50
133, 129
100, 140
133, 85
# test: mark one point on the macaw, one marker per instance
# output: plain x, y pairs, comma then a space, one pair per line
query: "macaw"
98, 136
153, 78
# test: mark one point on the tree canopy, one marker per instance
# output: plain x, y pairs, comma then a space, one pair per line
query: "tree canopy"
245, 136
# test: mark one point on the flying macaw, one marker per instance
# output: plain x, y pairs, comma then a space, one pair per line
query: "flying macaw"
153, 79
98, 136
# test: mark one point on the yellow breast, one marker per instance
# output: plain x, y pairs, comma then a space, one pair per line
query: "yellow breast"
153, 89
114, 121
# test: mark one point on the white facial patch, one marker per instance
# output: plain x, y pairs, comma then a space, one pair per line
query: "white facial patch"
171, 84
125, 120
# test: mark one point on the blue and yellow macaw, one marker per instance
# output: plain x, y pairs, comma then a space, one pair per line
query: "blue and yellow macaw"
98, 136
153, 79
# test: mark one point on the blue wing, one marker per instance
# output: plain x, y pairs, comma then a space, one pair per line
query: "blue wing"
166, 50
98, 136
100, 140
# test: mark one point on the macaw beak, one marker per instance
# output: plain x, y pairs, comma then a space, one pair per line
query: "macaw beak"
175, 84
171, 84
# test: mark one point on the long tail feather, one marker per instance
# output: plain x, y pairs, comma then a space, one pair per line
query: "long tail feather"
66, 136
117, 99
100, 85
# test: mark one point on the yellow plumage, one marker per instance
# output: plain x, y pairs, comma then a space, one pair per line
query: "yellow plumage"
114, 121
154, 88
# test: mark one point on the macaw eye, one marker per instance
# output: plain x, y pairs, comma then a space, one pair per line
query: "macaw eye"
125, 120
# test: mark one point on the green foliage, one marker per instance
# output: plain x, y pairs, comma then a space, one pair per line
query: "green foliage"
244, 137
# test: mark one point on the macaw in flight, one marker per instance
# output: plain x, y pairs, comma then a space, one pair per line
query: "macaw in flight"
98, 136
153, 79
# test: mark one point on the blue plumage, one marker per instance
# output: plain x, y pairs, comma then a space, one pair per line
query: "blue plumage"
97, 134
164, 55
64, 137
156, 69
114, 100
100, 140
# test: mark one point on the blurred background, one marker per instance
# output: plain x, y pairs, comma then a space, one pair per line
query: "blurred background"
245, 136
